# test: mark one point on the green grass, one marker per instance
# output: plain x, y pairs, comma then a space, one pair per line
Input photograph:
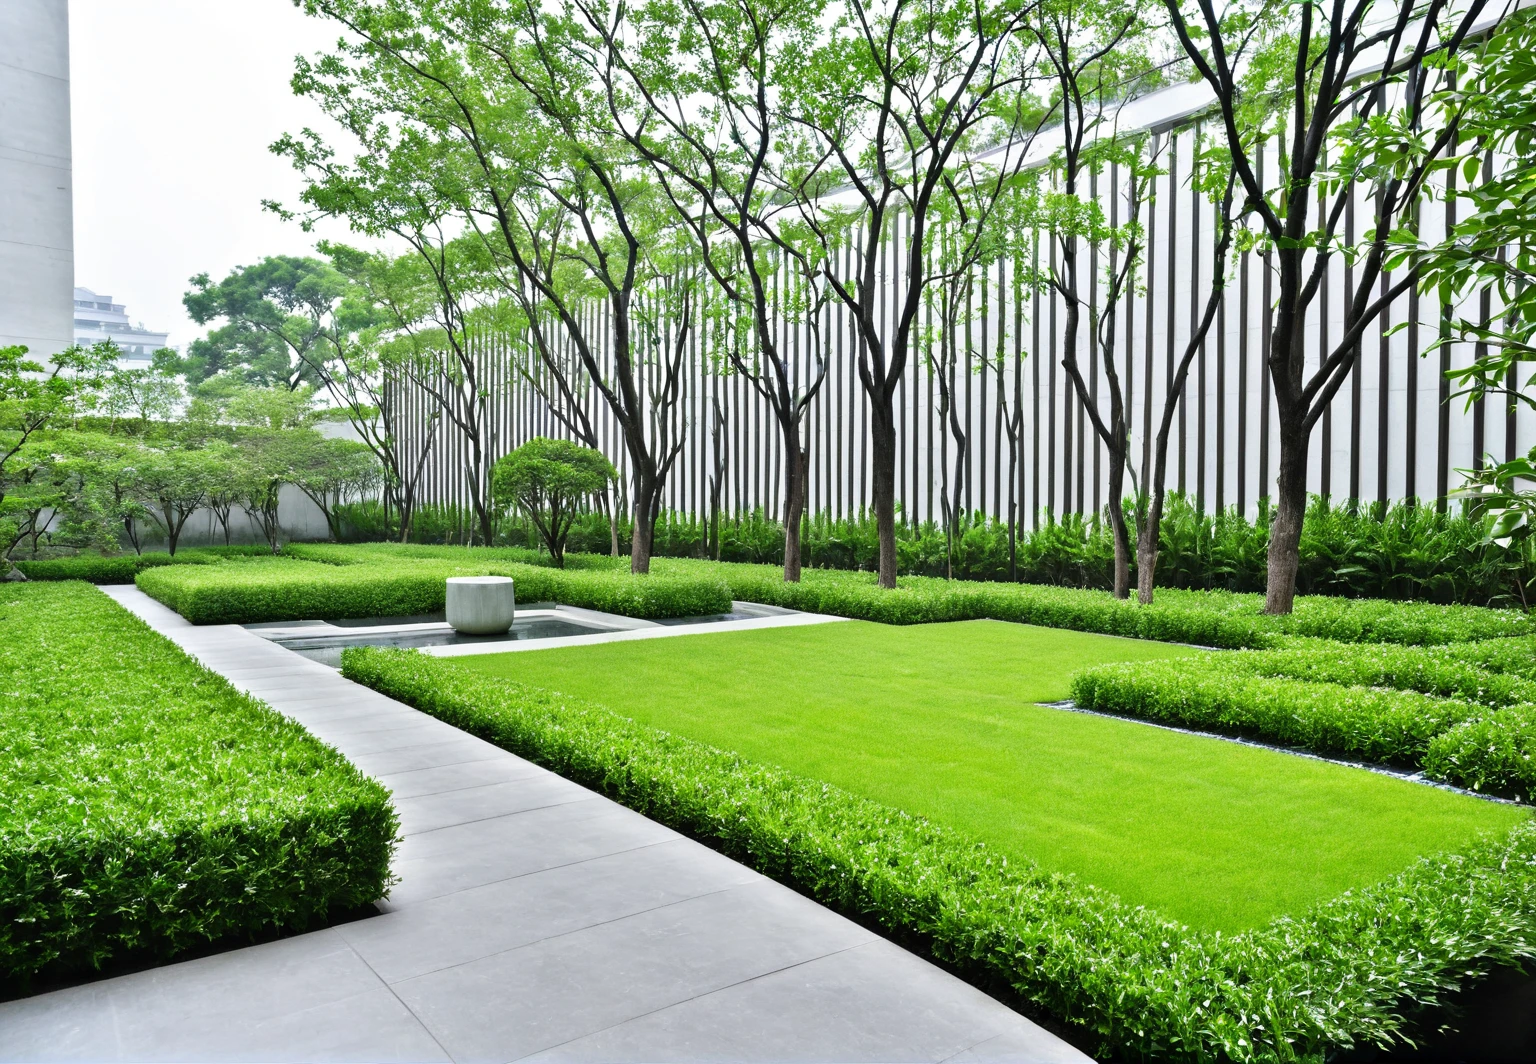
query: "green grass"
940, 720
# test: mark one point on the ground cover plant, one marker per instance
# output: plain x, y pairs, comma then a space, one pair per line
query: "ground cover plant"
365, 583
1205, 618
1441, 709
122, 568
1361, 550
1131, 982
148, 807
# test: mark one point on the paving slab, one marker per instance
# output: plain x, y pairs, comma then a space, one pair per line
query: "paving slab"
533, 919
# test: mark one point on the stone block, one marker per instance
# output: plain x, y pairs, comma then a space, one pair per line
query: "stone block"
481, 605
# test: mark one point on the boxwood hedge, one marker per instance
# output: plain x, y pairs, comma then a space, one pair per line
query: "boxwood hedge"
122, 568
146, 806
288, 589
1129, 983
1483, 741
1381, 725
1444, 671
1204, 618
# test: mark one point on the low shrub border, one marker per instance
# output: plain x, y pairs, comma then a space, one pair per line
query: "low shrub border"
1347, 973
291, 589
1204, 618
1443, 671
122, 568
1451, 740
148, 807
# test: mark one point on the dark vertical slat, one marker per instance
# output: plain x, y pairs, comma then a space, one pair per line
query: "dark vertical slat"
1194, 323
1050, 428
1383, 394
1172, 308
1034, 316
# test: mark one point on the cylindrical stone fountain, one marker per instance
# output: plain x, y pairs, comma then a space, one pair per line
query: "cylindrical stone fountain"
481, 605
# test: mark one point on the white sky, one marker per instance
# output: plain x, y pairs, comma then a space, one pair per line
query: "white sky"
174, 104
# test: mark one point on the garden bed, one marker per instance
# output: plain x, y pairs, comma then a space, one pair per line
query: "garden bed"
1204, 618
353, 582
1358, 895
1465, 713
148, 807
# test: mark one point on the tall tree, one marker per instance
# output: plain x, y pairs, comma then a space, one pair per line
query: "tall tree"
688, 86
1097, 55
1339, 91
895, 105
512, 121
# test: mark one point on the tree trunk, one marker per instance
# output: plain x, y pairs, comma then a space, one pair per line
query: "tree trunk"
1290, 512
1117, 525
643, 536
883, 485
794, 504
1146, 549
612, 513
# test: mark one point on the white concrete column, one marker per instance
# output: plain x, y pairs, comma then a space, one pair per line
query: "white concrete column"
37, 235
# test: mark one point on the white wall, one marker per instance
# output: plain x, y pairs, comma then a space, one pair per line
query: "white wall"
37, 259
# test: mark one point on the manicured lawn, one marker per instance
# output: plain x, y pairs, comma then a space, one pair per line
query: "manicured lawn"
941, 720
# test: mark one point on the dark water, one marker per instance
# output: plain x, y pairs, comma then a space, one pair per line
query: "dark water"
326, 649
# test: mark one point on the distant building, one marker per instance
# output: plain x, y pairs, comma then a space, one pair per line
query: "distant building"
37, 258
97, 318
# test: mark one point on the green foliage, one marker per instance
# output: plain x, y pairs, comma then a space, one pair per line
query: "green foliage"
550, 481
1442, 671
356, 582
1128, 982
1494, 753
1395, 552
1212, 618
274, 316
148, 807
1441, 709
1384, 726
121, 569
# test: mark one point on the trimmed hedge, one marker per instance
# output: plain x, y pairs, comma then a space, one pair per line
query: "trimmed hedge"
289, 589
122, 568
1128, 982
361, 553
1284, 697
1204, 618
1443, 671
1386, 726
1515, 657
148, 807
1495, 753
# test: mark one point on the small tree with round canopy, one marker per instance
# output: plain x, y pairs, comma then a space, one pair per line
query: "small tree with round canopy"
550, 481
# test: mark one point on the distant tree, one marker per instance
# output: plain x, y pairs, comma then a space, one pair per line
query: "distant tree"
149, 394
331, 471
267, 462
551, 481
34, 399
231, 401
226, 481
174, 484
276, 315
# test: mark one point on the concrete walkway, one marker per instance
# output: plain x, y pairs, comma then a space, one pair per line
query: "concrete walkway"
534, 919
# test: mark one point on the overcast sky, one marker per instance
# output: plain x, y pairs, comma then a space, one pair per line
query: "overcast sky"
174, 105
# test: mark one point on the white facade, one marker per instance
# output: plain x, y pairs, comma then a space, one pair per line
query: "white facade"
97, 318
37, 258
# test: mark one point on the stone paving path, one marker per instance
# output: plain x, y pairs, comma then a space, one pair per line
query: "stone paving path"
534, 919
